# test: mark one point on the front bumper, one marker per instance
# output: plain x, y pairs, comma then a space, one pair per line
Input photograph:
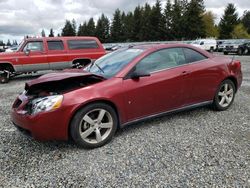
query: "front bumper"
52, 125
231, 50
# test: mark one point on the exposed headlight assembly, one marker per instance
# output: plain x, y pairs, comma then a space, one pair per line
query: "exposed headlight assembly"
45, 104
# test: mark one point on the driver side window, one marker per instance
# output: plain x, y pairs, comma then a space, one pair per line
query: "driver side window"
162, 59
34, 46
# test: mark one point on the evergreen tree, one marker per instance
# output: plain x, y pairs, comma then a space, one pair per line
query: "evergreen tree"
246, 20
228, 21
43, 33
195, 27
169, 21
83, 29
51, 33
128, 27
102, 28
157, 22
73, 23
8, 42
68, 29
137, 23
177, 20
91, 27
116, 27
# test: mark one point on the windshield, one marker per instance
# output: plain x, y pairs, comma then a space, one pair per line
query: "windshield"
110, 64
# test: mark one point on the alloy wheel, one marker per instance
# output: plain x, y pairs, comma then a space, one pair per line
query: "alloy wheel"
226, 95
96, 126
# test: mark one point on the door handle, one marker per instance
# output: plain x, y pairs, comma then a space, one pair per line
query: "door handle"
184, 73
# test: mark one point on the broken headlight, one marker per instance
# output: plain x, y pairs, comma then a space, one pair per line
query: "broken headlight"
45, 104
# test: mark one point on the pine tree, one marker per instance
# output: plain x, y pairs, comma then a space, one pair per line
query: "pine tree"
43, 33
195, 27
91, 27
128, 27
116, 27
228, 21
68, 29
137, 23
51, 33
177, 20
102, 28
157, 20
8, 42
169, 20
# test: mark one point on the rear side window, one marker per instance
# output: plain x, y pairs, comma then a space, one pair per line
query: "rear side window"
55, 45
82, 44
193, 56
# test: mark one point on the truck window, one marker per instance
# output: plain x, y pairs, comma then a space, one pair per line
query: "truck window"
34, 46
55, 45
82, 44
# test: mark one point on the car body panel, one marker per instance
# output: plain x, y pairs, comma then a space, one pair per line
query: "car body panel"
164, 91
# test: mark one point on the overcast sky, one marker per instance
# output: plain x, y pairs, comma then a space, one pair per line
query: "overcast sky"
29, 17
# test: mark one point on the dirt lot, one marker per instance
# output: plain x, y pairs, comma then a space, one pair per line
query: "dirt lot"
194, 148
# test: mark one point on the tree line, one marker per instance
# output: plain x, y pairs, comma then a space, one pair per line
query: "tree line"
180, 20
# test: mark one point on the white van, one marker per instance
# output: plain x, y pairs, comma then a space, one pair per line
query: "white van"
205, 44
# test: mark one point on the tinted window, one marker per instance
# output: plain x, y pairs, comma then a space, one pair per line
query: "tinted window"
161, 60
34, 46
193, 56
55, 45
82, 44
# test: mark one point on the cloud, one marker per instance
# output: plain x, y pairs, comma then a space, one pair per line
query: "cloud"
29, 17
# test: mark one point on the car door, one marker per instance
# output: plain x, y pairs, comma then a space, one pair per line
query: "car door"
202, 78
163, 90
34, 57
57, 55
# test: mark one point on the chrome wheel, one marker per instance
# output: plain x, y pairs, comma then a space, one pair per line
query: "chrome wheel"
96, 126
226, 95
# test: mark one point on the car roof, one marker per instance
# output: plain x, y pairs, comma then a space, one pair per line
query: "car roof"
172, 45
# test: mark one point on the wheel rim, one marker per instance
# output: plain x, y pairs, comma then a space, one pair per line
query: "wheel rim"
96, 126
226, 95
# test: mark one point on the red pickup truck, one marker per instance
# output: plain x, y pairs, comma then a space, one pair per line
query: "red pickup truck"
49, 53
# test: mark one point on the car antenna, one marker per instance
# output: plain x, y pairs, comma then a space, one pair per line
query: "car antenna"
232, 59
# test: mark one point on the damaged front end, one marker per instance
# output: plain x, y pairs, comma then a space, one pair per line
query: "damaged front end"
46, 92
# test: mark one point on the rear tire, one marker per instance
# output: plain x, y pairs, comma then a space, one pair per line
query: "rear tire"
94, 125
224, 96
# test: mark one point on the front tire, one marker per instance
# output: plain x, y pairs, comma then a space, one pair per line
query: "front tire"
4, 78
224, 96
94, 125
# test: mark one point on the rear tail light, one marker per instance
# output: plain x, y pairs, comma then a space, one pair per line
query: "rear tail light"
236, 64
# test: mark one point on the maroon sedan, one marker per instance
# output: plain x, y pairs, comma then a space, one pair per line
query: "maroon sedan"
123, 87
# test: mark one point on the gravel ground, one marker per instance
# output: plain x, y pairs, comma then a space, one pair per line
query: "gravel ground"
198, 148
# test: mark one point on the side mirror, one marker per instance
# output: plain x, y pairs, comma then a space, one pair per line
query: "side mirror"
27, 52
138, 74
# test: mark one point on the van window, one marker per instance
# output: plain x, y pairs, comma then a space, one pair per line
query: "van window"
55, 45
82, 44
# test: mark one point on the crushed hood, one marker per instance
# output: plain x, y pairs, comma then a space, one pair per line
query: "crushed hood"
62, 81
59, 76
